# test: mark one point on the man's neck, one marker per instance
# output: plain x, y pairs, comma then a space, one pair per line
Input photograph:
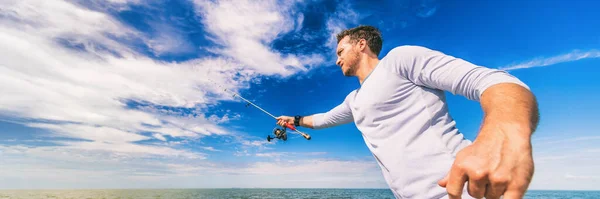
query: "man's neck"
366, 67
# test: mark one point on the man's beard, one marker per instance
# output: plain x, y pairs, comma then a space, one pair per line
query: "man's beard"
352, 66
351, 71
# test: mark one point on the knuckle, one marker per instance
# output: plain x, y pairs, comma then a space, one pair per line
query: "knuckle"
462, 166
479, 174
499, 178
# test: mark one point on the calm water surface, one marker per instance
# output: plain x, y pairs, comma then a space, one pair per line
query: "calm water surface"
246, 193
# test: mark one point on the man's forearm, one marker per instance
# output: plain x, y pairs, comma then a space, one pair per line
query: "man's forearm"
510, 107
307, 121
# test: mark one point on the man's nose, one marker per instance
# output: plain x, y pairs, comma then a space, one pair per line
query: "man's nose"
338, 62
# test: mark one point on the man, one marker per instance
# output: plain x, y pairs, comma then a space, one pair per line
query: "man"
401, 111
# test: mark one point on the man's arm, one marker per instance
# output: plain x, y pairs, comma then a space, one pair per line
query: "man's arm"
511, 106
499, 162
341, 114
434, 69
307, 121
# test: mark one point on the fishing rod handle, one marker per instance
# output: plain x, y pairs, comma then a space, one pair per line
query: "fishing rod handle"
290, 126
305, 135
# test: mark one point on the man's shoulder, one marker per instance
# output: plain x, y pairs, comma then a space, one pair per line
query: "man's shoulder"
407, 51
404, 56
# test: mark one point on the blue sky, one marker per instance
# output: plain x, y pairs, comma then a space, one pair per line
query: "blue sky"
114, 94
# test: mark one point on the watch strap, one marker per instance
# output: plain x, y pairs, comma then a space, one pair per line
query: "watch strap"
297, 120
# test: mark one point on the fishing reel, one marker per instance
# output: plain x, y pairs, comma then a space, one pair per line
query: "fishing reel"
280, 133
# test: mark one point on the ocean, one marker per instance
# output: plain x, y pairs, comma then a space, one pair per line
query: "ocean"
246, 194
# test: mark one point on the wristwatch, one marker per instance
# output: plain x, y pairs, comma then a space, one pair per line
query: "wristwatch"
297, 120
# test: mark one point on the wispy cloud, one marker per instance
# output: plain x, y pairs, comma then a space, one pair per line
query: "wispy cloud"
210, 148
288, 154
576, 177
124, 170
566, 140
575, 157
225, 118
547, 61
245, 29
159, 137
167, 40
77, 73
73, 71
343, 16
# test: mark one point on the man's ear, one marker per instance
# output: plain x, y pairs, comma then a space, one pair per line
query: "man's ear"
362, 44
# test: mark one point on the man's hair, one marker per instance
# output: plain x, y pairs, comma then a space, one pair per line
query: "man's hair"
369, 33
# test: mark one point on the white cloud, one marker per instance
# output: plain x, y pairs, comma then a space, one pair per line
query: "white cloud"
123, 170
272, 154
563, 140
282, 174
70, 71
159, 136
103, 165
566, 163
547, 61
41, 21
310, 167
125, 1
569, 176
82, 90
293, 155
132, 149
167, 40
210, 148
342, 16
109, 5
246, 28
225, 118
93, 133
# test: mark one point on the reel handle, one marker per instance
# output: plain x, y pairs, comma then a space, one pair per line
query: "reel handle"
290, 126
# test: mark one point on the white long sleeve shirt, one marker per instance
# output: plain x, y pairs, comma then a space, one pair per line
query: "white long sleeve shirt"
401, 111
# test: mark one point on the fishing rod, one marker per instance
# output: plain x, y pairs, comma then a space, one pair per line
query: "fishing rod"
280, 133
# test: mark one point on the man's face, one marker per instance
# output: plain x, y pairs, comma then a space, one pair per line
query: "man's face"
348, 57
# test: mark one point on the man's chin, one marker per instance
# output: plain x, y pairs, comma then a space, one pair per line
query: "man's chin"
348, 73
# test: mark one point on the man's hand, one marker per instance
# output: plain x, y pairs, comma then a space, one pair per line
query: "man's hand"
306, 121
493, 166
282, 120
499, 162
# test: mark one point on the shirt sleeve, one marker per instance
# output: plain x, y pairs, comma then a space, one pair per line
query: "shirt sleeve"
433, 69
341, 114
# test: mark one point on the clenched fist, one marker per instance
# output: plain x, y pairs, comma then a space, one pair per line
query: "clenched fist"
495, 165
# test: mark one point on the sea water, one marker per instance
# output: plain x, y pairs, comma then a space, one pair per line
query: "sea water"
246, 194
